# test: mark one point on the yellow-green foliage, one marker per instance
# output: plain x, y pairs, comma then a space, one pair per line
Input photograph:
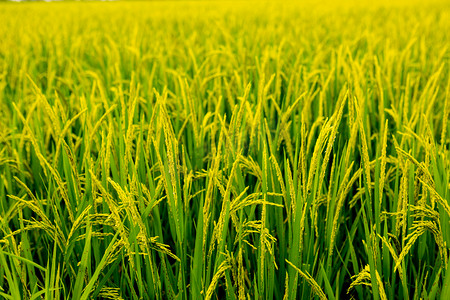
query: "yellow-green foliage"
239, 150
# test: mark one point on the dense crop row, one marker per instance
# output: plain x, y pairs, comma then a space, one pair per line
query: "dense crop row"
188, 150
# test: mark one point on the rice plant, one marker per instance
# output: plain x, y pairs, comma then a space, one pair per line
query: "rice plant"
225, 150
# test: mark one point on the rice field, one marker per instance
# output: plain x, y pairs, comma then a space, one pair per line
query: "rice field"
225, 150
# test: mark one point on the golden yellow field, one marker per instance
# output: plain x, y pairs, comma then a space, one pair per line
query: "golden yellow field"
225, 150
